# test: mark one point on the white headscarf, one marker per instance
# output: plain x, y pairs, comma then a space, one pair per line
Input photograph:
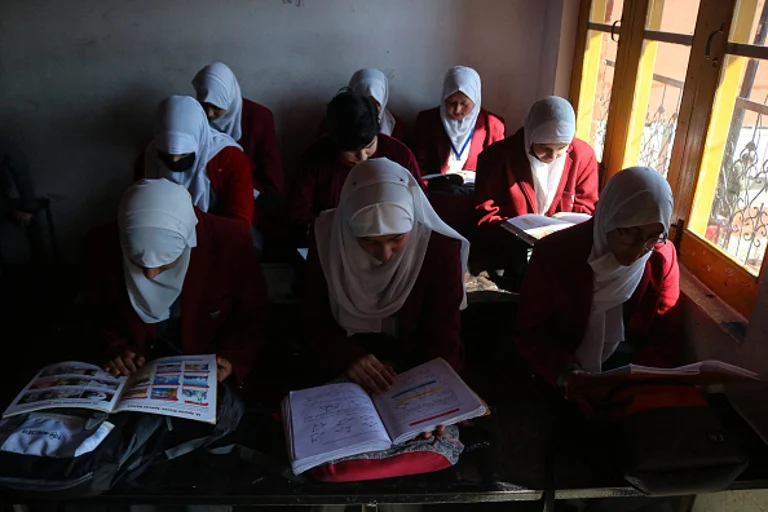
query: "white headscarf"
157, 226
182, 127
550, 121
466, 80
379, 197
217, 84
633, 197
372, 82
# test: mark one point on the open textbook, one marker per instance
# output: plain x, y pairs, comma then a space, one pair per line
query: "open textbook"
700, 373
329, 422
531, 226
467, 177
182, 386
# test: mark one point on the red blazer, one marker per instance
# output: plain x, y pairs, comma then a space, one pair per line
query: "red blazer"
429, 320
231, 182
398, 132
556, 299
223, 300
319, 178
260, 146
432, 146
504, 183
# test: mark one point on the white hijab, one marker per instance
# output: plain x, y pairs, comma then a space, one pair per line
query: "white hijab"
217, 84
372, 82
157, 226
550, 121
182, 127
466, 80
633, 197
379, 197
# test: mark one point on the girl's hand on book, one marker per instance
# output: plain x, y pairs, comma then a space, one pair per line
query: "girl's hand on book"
371, 374
439, 431
223, 368
125, 364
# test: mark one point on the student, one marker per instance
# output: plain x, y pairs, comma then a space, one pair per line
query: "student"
208, 163
605, 293
169, 279
449, 138
353, 137
541, 169
385, 279
250, 124
373, 84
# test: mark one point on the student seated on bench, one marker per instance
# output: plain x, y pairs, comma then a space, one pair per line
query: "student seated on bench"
168, 279
385, 279
353, 137
250, 124
208, 163
604, 293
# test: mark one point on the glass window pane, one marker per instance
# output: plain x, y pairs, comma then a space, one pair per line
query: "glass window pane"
750, 23
678, 16
663, 102
606, 11
603, 89
737, 222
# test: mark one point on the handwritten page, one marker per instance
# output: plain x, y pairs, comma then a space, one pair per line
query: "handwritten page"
424, 397
69, 384
183, 386
330, 422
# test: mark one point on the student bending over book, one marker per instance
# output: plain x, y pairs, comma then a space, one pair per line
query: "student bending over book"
604, 293
169, 279
384, 279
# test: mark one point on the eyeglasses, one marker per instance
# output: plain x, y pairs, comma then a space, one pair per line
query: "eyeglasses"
635, 236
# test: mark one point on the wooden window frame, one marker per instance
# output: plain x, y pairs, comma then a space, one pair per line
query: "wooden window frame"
702, 114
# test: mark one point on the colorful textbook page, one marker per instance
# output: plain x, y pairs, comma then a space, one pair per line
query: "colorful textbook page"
183, 387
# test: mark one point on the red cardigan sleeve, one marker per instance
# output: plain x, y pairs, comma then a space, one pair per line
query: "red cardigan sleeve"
421, 142
666, 336
441, 316
534, 336
332, 346
587, 186
230, 175
267, 159
489, 180
300, 199
243, 336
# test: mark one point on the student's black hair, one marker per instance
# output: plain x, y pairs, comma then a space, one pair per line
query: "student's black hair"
352, 120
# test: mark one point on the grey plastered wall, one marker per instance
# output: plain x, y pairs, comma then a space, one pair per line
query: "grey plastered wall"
79, 79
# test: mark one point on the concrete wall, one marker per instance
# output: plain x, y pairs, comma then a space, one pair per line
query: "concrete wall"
80, 78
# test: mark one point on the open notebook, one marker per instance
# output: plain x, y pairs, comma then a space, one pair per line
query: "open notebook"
182, 386
531, 226
329, 422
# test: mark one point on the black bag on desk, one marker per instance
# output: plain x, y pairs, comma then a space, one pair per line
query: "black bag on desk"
77, 453
671, 443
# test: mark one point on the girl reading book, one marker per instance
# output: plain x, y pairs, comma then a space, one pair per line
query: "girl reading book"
384, 279
169, 279
604, 293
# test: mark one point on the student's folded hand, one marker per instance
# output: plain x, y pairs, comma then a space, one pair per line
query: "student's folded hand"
125, 364
439, 431
370, 373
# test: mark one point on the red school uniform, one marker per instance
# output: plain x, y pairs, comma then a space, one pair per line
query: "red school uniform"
504, 182
260, 146
223, 298
231, 182
556, 300
429, 320
320, 176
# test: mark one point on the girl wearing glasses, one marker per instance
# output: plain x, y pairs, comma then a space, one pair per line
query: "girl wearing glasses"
605, 293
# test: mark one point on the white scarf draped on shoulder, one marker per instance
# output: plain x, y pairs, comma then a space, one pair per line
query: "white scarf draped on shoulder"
157, 223
182, 127
379, 197
217, 84
633, 197
550, 121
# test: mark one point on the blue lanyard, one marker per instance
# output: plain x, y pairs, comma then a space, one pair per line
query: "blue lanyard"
466, 143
